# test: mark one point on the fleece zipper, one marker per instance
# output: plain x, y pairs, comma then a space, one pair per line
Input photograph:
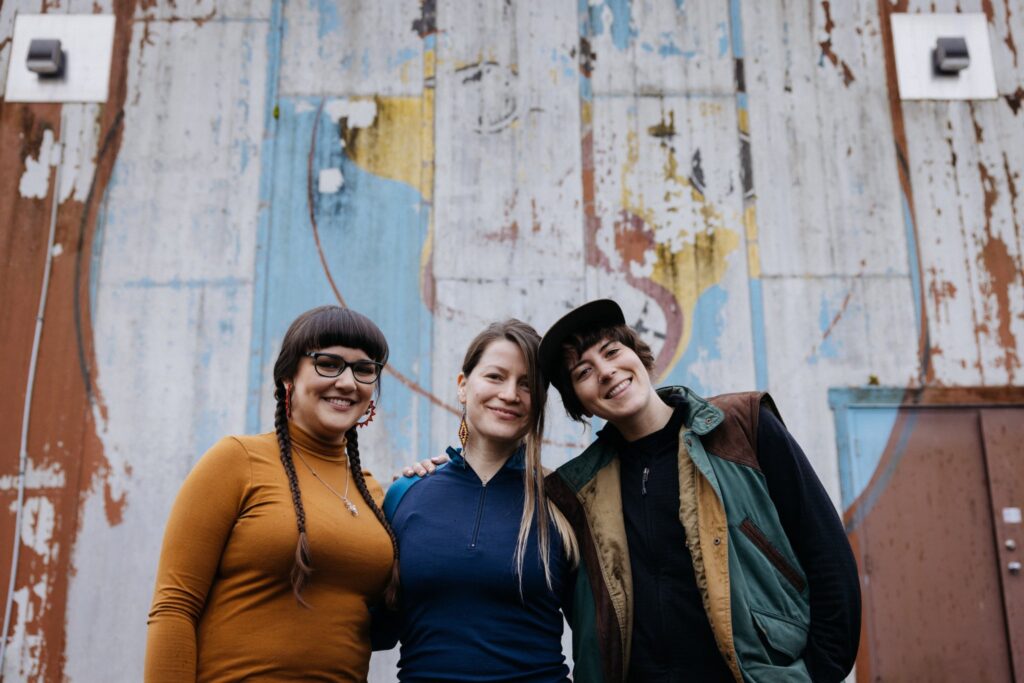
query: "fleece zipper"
479, 515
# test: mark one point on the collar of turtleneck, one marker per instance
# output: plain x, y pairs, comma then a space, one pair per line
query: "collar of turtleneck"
310, 445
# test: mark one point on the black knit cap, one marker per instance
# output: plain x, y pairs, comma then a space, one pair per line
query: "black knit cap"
591, 315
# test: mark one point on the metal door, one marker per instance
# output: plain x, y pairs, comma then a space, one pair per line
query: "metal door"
1003, 436
940, 603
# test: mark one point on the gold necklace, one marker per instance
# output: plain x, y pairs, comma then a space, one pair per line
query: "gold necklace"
343, 496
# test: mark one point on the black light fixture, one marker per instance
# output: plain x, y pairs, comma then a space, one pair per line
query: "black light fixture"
950, 56
46, 58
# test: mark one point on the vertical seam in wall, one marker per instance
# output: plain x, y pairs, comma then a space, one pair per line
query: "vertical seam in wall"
257, 344
751, 237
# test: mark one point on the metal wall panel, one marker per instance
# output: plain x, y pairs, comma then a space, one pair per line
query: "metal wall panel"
729, 170
967, 180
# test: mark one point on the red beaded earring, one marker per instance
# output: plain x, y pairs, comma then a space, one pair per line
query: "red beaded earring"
288, 401
370, 412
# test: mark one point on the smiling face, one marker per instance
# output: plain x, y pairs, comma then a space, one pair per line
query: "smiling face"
496, 394
327, 407
610, 381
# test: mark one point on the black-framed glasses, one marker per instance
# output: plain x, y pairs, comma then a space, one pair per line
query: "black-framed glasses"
330, 365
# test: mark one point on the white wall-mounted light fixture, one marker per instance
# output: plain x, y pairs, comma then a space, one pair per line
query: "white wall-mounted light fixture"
943, 57
60, 58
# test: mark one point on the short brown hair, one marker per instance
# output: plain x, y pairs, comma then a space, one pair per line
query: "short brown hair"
576, 344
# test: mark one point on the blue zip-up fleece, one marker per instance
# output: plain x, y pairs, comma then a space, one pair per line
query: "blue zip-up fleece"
461, 616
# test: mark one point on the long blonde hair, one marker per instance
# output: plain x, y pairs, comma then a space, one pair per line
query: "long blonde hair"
535, 502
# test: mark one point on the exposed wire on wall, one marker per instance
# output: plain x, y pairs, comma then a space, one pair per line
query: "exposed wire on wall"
27, 410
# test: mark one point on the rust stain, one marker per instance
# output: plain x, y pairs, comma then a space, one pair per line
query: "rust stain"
988, 184
664, 129
1010, 44
839, 314
941, 290
1003, 272
506, 233
587, 58
986, 7
113, 506
979, 132
632, 238
826, 46
1011, 182
62, 435
1013, 100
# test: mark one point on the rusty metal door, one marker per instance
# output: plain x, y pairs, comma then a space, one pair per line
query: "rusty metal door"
930, 524
1003, 435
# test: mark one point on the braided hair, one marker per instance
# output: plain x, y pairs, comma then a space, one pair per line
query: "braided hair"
352, 448
302, 568
317, 329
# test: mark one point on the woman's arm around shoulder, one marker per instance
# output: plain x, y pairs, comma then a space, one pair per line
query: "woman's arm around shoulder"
200, 523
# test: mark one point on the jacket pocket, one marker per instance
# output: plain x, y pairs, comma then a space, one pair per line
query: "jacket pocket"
780, 636
773, 555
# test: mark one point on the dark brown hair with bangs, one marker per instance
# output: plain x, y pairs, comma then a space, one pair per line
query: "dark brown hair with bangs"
314, 330
577, 344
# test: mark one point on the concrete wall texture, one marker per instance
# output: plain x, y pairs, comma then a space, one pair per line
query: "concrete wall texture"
740, 174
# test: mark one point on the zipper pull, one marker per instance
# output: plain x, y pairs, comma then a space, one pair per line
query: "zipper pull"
643, 482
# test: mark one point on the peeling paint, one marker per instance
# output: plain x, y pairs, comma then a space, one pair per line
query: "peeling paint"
38, 523
352, 113
35, 181
80, 135
330, 180
826, 46
49, 477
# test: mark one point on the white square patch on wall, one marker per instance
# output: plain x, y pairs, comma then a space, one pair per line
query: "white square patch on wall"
914, 39
87, 41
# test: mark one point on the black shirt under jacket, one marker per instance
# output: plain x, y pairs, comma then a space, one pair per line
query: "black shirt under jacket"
672, 638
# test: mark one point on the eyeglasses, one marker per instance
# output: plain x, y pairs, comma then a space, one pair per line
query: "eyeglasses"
330, 365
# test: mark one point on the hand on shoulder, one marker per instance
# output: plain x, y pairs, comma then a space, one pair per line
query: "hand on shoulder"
422, 468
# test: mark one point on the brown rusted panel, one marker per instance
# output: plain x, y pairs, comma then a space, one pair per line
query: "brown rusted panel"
932, 602
24, 226
62, 435
1003, 435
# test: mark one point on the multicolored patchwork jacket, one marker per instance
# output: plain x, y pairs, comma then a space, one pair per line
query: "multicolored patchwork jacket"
754, 590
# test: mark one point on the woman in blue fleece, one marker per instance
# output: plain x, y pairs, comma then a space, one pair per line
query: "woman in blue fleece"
485, 559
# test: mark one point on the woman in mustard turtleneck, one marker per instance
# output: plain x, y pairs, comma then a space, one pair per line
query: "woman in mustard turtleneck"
276, 543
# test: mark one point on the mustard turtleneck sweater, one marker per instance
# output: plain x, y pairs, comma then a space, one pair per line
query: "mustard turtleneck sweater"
223, 609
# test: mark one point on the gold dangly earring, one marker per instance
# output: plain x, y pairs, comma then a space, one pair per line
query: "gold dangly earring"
463, 430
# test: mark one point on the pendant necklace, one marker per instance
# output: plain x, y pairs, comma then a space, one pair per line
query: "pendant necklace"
343, 496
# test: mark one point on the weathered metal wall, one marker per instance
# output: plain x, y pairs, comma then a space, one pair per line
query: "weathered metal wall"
740, 174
